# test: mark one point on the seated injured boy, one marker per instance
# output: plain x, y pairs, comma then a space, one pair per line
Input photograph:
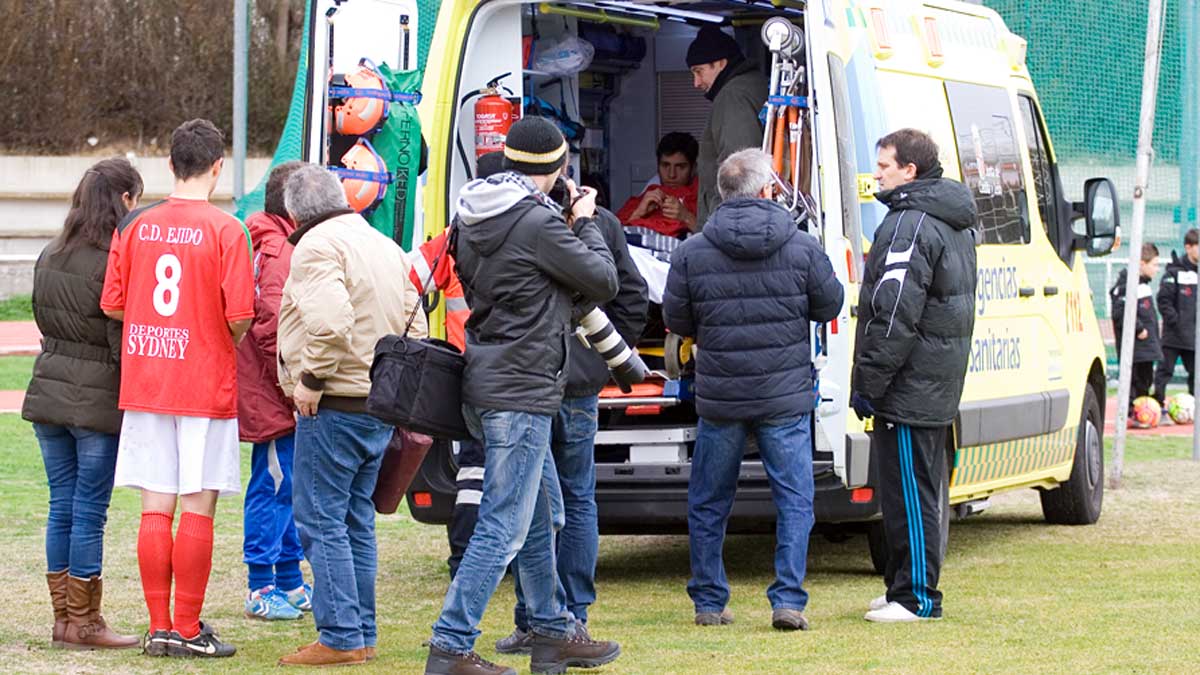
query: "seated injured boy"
666, 208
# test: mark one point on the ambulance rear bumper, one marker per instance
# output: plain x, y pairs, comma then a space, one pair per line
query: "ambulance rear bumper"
652, 498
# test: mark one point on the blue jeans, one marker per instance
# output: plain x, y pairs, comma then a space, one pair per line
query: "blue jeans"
80, 464
269, 531
786, 449
516, 515
337, 462
573, 444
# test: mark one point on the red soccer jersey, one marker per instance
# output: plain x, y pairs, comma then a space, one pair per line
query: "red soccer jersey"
181, 271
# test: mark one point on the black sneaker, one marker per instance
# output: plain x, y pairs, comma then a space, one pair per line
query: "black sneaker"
206, 644
155, 644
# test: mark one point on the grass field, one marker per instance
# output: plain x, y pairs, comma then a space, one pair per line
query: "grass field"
15, 372
17, 308
1021, 596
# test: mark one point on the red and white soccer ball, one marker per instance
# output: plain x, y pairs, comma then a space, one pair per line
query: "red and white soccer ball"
1146, 413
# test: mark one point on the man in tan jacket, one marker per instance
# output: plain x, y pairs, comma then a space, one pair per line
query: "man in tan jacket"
348, 287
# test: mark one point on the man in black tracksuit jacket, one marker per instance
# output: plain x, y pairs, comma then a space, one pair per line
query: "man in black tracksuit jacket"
916, 311
1177, 305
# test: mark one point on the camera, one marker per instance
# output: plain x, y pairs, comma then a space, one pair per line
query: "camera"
560, 194
594, 329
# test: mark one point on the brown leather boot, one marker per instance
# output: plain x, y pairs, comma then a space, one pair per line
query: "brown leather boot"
554, 656
86, 629
318, 655
442, 662
57, 581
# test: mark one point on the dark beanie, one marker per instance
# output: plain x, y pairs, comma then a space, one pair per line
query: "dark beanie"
490, 164
712, 44
534, 147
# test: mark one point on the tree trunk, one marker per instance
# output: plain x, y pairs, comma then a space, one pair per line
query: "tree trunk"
282, 14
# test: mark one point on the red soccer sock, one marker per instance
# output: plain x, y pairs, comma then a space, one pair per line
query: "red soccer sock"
154, 561
193, 562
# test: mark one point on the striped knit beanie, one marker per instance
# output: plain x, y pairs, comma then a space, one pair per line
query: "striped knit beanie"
534, 147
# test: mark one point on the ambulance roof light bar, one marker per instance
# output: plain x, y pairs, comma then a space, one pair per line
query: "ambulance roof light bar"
1017, 48
927, 27
881, 37
879, 25
933, 37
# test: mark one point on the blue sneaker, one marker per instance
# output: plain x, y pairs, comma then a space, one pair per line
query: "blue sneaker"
270, 604
300, 598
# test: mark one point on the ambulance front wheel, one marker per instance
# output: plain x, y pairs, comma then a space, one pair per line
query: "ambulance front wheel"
1078, 500
877, 538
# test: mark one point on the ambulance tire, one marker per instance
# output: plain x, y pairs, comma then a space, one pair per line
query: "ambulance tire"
1078, 500
877, 538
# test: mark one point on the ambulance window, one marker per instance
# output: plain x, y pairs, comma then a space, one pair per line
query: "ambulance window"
1043, 173
990, 160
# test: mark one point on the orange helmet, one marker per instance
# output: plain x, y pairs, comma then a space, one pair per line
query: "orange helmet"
360, 115
365, 178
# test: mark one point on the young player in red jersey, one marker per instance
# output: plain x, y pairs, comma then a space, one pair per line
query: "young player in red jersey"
180, 277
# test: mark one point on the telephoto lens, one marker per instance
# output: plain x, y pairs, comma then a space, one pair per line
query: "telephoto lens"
596, 331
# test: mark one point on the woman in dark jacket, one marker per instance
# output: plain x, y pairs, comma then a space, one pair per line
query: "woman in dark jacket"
72, 400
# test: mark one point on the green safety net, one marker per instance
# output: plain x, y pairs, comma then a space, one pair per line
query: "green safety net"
1086, 60
291, 141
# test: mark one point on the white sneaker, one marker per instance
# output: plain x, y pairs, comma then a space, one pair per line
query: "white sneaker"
878, 603
893, 612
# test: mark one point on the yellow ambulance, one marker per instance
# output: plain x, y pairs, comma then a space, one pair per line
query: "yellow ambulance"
612, 73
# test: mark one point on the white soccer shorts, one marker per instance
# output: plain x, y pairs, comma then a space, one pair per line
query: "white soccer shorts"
175, 454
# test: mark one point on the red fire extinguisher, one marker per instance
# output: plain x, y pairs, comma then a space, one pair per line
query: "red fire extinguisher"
493, 117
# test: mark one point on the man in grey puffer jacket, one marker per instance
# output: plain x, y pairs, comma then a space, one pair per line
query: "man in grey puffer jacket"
737, 91
520, 265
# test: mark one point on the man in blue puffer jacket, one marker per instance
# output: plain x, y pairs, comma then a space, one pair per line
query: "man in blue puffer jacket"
746, 289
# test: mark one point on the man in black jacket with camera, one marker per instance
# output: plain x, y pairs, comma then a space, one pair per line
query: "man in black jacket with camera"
916, 311
573, 439
521, 267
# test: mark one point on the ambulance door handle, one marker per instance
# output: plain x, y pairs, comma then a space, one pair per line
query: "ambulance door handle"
1026, 291
1049, 290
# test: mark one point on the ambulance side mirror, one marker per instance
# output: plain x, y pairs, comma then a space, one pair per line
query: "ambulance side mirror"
1102, 218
